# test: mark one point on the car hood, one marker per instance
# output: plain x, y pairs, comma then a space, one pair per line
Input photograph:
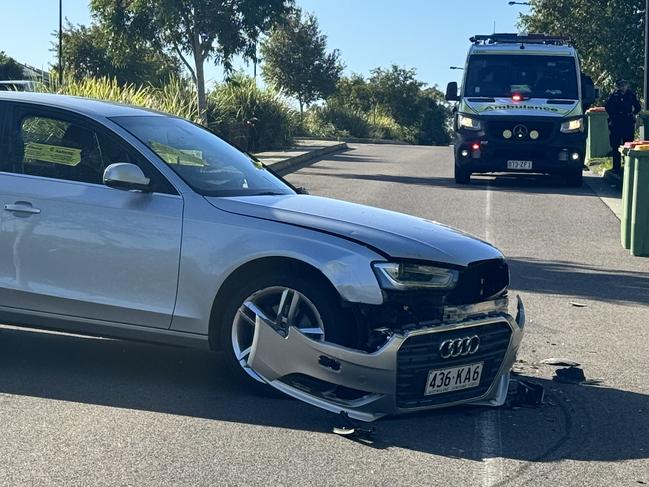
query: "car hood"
393, 234
531, 107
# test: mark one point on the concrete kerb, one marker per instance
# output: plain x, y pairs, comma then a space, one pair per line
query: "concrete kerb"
612, 178
360, 140
608, 193
301, 159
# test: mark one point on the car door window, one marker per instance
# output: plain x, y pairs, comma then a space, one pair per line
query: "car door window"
57, 148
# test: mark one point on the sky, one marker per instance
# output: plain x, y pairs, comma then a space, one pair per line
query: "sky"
428, 35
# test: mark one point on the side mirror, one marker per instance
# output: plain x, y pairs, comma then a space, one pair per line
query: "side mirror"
126, 176
301, 190
451, 91
589, 93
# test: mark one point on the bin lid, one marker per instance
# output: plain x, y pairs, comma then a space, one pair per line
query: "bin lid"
635, 143
596, 110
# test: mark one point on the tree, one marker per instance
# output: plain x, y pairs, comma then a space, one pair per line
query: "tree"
295, 59
97, 52
434, 128
399, 92
354, 92
609, 34
196, 30
9, 68
420, 112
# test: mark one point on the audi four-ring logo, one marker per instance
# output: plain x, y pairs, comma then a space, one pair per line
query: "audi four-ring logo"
459, 347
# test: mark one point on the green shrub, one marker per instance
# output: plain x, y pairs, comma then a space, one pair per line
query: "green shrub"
334, 120
231, 106
250, 117
177, 97
312, 125
383, 126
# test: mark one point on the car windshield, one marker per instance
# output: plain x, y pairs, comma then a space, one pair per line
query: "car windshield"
211, 166
532, 76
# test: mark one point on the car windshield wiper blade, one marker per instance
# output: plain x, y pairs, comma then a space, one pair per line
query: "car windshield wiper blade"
267, 193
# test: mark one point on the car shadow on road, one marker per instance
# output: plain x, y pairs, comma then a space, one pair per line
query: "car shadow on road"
345, 155
584, 423
574, 279
522, 183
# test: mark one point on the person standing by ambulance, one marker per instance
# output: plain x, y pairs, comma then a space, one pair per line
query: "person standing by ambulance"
622, 107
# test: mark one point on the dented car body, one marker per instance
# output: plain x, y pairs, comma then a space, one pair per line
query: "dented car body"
169, 234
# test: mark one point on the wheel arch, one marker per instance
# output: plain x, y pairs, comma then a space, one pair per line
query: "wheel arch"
254, 268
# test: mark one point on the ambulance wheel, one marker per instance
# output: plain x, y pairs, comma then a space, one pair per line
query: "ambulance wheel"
575, 179
462, 176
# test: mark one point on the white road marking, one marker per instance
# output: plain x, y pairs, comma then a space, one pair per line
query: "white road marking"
487, 216
488, 425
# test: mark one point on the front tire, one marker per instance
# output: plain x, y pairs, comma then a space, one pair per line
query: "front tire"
289, 301
462, 176
575, 179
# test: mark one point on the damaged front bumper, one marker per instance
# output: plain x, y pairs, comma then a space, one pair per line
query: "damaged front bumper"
391, 380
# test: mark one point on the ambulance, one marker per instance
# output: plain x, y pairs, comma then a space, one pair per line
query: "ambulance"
521, 108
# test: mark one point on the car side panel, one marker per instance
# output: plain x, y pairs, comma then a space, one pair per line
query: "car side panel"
216, 243
92, 251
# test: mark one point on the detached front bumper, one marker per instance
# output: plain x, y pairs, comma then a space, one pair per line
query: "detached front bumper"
368, 386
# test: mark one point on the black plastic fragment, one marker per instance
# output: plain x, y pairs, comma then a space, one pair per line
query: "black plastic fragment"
527, 394
352, 430
569, 375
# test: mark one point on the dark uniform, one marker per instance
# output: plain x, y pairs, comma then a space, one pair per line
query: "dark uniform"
622, 107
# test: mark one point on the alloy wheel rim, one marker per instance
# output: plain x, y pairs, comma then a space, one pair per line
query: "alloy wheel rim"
282, 307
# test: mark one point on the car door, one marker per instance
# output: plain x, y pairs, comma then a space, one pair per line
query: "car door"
71, 246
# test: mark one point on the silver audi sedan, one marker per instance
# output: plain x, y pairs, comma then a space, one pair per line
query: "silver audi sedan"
126, 223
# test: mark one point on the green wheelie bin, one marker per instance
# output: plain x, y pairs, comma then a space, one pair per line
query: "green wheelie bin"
640, 201
597, 143
627, 191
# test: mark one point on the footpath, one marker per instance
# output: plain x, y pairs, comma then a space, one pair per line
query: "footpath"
302, 152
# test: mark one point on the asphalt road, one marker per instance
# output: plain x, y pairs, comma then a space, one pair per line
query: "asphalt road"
80, 411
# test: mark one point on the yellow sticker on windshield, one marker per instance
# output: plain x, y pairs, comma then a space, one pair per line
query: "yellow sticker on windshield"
195, 153
182, 157
56, 154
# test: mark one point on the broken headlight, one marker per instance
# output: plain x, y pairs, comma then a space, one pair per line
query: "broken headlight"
403, 276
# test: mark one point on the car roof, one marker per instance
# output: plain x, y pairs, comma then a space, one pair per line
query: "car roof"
15, 82
530, 49
83, 106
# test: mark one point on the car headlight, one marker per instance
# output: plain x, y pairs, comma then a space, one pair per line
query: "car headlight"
468, 123
570, 126
402, 276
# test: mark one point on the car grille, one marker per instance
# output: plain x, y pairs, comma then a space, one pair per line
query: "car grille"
519, 153
420, 353
496, 129
480, 281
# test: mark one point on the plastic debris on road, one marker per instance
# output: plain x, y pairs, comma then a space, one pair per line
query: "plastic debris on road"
560, 362
349, 429
525, 394
569, 375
